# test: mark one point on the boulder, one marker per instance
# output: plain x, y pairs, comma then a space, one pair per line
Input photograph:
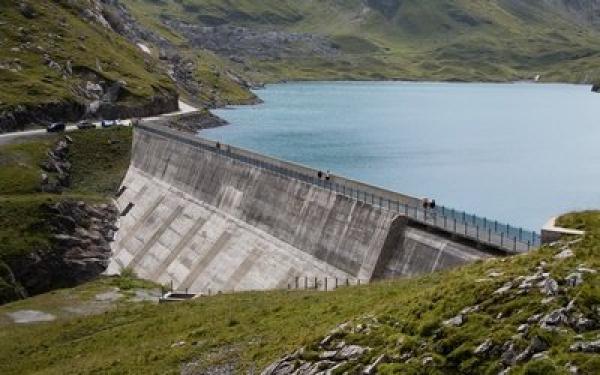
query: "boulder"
566, 253
504, 289
484, 348
549, 287
509, 354
583, 324
586, 346
574, 279
553, 319
372, 368
349, 352
523, 328
536, 345
456, 321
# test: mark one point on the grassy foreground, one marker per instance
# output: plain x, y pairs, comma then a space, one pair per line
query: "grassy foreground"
249, 330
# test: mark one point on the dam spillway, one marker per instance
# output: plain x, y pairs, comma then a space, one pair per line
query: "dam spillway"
205, 217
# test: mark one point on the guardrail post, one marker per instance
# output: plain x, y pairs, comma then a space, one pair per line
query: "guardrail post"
325, 283
489, 235
484, 223
305, 282
297, 282
507, 229
316, 283
495, 225
528, 245
501, 239
443, 211
515, 243
445, 220
336, 282
477, 227
520, 233
454, 225
406, 209
466, 227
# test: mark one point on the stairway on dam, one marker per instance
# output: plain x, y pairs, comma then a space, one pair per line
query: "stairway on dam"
205, 218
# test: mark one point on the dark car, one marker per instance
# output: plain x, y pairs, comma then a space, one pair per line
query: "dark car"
83, 125
56, 127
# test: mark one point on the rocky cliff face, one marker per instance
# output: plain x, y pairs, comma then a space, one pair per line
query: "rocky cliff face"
80, 251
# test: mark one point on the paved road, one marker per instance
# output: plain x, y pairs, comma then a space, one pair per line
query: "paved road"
14, 136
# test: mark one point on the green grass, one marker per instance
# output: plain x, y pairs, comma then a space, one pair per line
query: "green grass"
252, 329
99, 160
20, 166
580, 220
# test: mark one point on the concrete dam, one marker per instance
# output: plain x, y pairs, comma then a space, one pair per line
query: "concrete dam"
207, 217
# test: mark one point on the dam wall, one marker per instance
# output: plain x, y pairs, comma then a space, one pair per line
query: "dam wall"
204, 217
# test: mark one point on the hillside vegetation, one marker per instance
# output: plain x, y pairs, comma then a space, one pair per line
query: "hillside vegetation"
402, 39
508, 304
99, 160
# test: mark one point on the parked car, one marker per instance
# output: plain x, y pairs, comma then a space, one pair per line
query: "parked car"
108, 123
56, 127
126, 122
83, 125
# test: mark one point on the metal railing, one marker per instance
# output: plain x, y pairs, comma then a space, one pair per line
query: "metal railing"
459, 223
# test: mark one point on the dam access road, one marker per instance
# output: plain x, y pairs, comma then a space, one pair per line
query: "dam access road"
206, 217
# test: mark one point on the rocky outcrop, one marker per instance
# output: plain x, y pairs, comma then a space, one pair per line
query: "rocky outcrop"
80, 250
162, 102
239, 42
17, 118
194, 122
57, 164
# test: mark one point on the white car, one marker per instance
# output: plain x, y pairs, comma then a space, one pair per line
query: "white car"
126, 122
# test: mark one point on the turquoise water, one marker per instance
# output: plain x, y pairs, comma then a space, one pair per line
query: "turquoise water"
518, 153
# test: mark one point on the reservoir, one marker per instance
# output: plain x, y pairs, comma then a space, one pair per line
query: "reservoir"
518, 153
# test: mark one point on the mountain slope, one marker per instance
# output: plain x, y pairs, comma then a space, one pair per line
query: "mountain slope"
66, 59
409, 39
59, 60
